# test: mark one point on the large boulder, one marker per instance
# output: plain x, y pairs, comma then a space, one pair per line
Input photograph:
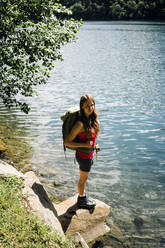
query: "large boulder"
7, 170
89, 223
38, 201
35, 196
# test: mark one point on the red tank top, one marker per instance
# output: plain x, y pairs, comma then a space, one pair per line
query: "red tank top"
82, 137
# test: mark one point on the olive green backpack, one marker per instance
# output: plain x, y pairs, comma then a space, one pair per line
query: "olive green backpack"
69, 119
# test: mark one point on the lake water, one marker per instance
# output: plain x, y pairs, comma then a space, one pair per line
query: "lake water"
122, 65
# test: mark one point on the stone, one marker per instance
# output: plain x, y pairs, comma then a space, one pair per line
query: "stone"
138, 221
98, 244
7, 170
2, 146
38, 201
162, 239
35, 196
89, 223
77, 238
145, 239
116, 233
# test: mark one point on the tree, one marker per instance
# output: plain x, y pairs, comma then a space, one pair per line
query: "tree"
31, 35
117, 12
131, 8
77, 8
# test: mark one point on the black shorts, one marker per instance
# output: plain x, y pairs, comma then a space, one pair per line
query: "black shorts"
84, 164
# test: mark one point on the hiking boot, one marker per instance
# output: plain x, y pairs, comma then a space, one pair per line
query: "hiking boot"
85, 202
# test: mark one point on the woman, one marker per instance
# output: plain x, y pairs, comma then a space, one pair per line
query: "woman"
83, 134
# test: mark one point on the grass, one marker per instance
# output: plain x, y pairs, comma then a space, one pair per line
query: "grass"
18, 227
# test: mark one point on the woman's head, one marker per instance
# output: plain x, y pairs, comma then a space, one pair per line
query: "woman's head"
88, 113
87, 105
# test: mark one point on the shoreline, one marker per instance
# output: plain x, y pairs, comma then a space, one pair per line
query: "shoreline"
65, 218
116, 238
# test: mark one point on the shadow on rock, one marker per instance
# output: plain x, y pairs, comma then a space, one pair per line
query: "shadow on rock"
65, 219
44, 198
98, 244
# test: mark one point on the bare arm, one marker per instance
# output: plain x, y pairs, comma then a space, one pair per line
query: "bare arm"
78, 127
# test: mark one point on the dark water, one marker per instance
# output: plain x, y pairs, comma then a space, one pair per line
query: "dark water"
122, 65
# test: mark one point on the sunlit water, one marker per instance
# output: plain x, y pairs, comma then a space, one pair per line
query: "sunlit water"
122, 65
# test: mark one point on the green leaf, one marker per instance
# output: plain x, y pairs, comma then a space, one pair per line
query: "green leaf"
32, 33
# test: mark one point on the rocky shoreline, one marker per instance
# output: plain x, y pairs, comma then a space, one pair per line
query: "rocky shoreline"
65, 218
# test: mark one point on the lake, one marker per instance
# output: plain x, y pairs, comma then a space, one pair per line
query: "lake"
122, 65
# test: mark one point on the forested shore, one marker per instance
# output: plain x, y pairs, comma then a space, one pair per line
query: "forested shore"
116, 9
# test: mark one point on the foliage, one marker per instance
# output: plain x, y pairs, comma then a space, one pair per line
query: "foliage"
18, 227
116, 9
31, 35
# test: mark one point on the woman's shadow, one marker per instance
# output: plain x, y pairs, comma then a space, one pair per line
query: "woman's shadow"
65, 219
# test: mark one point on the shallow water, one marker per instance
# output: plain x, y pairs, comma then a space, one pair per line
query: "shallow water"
122, 65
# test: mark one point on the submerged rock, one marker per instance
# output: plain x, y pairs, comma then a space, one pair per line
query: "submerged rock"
116, 233
2, 146
138, 221
162, 239
98, 244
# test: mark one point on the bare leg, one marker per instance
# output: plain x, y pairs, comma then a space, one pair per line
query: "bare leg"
82, 181
83, 200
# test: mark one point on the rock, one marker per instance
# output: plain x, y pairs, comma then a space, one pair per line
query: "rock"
39, 202
144, 239
79, 239
64, 217
138, 221
7, 170
90, 224
98, 244
2, 146
36, 197
116, 233
162, 240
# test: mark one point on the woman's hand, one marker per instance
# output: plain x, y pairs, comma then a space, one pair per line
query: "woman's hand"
89, 143
69, 141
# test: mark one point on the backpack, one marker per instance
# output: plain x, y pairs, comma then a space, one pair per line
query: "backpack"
69, 118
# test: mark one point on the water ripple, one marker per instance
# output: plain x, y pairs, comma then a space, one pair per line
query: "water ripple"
124, 71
